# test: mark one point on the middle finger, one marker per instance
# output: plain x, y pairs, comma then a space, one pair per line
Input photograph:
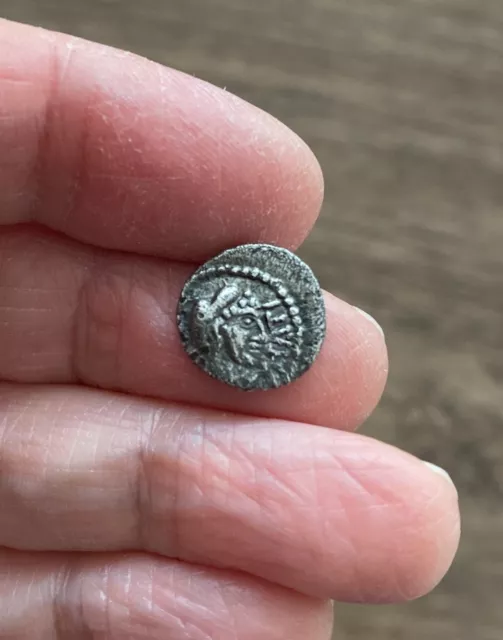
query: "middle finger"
70, 313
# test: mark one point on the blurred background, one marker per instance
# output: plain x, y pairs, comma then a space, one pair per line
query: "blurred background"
401, 100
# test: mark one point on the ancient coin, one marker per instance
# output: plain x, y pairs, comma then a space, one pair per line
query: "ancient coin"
253, 317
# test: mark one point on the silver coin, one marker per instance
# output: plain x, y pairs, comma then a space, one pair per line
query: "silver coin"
253, 317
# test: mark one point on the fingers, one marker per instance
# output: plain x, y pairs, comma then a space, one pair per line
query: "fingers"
144, 598
70, 314
327, 513
118, 151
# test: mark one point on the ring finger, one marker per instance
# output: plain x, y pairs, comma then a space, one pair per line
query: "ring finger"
328, 513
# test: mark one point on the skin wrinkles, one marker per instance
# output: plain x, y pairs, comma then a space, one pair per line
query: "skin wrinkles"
164, 596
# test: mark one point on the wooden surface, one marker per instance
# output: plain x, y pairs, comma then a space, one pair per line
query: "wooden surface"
402, 100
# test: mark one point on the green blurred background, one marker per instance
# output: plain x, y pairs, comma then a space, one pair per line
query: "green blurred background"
401, 100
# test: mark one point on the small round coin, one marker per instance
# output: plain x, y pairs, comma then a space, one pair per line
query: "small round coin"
253, 317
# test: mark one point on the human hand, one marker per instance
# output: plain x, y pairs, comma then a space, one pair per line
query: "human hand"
138, 497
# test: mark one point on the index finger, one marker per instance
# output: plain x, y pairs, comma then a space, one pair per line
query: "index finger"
117, 151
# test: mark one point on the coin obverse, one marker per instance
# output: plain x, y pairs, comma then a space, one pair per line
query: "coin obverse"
253, 317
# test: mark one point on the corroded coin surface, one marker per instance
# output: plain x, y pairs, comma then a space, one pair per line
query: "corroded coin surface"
253, 317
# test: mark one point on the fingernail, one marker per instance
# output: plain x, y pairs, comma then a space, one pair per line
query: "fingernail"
439, 471
370, 319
